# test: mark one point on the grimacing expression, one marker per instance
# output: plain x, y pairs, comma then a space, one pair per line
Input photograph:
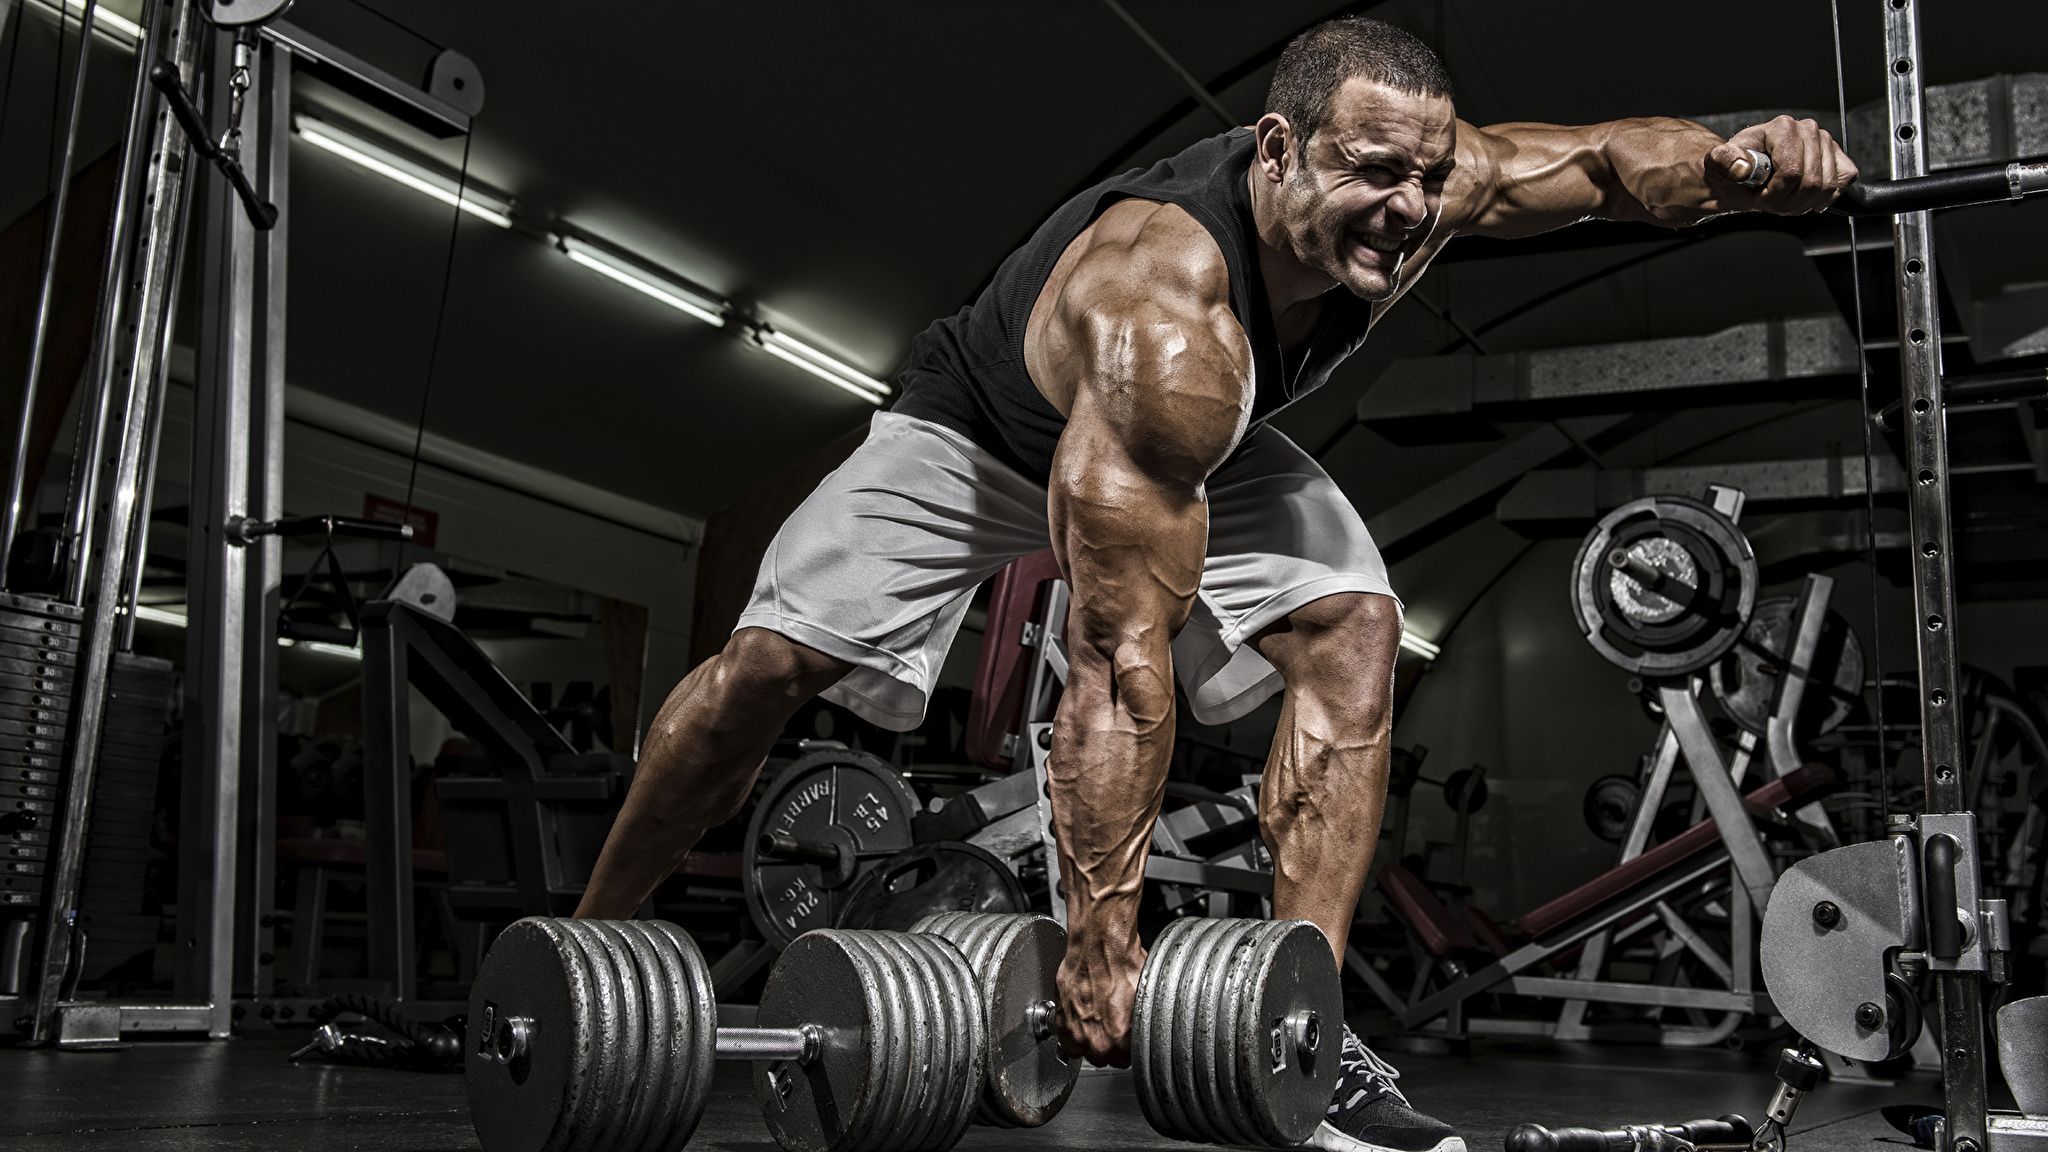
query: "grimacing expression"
1373, 182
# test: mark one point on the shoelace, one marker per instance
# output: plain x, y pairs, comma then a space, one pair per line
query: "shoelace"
1363, 1064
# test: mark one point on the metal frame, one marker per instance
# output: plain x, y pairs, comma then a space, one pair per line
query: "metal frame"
225, 922
1959, 994
147, 304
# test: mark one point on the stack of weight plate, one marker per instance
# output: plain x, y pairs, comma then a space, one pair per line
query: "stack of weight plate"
39, 642
115, 888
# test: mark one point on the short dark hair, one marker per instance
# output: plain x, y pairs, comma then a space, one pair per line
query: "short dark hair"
1319, 60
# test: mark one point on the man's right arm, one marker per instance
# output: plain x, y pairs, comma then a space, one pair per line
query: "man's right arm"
1155, 371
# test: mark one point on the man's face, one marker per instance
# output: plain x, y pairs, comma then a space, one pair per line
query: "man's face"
1372, 183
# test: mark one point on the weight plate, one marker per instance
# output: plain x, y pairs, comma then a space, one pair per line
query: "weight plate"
43, 701
37, 837
26, 622
943, 876
11, 851
1746, 678
1609, 805
622, 1009
942, 997
693, 1015
16, 644
1653, 633
32, 745
538, 1099
1236, 1032
41, 606
43, 761
20, 775
34, 675
819, 981
54, 732
22, 867
15, 714
857, 804
11, 789
899, 1067
1016, 960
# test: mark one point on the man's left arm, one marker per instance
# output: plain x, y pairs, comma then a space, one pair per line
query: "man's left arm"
1521, 179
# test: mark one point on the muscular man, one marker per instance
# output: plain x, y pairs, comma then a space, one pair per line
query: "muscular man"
1110, 391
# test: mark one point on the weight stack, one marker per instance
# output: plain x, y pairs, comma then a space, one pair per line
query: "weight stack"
115, 886
39, 643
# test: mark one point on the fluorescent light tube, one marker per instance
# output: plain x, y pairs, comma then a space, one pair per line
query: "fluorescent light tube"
824, 367
105, 21
410, 173
159, 615
178, 620
1419, 646
674, 295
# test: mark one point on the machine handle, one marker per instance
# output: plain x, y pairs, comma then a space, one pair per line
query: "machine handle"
1728, 1129
352, 527
164, 78
1954, 189
1938, 885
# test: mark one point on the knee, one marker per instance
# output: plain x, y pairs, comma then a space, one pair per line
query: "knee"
1339, 652
759, 678
762, 665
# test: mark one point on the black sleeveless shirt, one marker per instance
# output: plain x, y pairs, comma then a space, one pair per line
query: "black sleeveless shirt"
966, 372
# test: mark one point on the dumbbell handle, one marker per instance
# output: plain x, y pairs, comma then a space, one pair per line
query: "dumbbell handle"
799, 1044
512, 1036
1729, 1129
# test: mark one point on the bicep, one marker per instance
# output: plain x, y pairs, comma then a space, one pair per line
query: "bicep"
1162, 396
1521, 179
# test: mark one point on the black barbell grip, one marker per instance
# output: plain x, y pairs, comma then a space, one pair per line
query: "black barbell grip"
165, 79
1956, 189
1727, 1129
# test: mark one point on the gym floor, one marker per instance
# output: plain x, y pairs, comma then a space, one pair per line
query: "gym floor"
244, 1095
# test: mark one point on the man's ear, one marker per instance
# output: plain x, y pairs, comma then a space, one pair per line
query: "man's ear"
1274, 146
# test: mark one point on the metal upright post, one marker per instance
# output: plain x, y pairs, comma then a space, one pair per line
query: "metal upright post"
1960, 993
46, 294
387, 810
217, 594
152, 287
270, 106
108, 333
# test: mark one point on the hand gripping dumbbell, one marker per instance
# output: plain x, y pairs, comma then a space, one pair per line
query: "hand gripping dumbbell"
1228, 1038
594, 1034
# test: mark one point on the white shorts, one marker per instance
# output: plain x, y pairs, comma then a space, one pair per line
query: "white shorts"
878, 565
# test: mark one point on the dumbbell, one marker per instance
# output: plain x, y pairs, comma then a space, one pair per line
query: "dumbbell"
1228, 1039
589, 1034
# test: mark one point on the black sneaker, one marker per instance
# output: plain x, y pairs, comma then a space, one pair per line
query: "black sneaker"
1369, 1114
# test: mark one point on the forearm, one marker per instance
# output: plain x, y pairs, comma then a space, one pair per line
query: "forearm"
1656, 171
1111, 747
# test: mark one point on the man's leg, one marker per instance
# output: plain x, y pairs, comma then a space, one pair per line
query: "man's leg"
1325, 787
700, 759
1320, 805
